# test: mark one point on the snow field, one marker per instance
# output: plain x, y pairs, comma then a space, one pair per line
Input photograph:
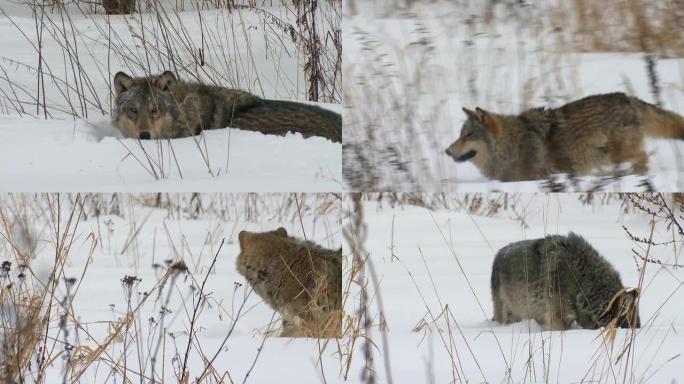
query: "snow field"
426, 261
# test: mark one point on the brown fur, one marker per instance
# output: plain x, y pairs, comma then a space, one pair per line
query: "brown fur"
297, 278
118, 7
576, 138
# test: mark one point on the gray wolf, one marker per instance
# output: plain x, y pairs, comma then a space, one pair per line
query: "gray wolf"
299, 279
557, 281
163, 107
576, 138
118, 7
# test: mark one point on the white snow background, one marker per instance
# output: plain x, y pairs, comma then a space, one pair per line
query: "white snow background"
82, 49
426, 260
409, 71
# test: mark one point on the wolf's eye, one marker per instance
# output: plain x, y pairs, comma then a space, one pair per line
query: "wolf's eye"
133, 111
153, 111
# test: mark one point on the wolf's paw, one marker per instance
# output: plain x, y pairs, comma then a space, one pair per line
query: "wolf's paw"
646, 185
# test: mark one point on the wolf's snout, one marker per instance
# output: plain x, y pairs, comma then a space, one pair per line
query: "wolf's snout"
448, 151
144, 135
467, 156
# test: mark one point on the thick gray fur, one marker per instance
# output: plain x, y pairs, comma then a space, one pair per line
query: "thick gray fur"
557, 281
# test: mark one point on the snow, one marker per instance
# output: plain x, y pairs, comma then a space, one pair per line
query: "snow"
408, 74
76, 156
240, 49
427, 260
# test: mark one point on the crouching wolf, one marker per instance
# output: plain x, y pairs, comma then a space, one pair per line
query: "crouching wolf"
575, 138
162, 107
559, 280
299, 279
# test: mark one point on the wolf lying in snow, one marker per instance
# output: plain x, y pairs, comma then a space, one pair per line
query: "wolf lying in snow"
162, 107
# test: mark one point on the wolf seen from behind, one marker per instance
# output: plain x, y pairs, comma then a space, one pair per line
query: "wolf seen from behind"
558, 281
298, 278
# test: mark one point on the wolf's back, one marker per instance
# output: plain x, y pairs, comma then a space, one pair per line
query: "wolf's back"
624, 110
278, 117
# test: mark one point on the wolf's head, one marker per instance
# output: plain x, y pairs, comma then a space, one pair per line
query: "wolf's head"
145, 107
478, 135
622, 311
256, 248
247, 238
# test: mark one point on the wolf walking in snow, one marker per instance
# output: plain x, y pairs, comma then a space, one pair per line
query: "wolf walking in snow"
559, 280
299, 279
575, 138
162, 107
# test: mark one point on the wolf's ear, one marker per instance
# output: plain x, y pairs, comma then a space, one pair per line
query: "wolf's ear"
122, 82
622, 305
490, 120
166, 80
629, 297
281, 232
622, 309
243, 239
469, 112
630, 303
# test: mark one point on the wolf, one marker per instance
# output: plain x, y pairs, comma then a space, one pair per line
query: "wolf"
575, 138
557, 281
163, 107
299, 279
118, 7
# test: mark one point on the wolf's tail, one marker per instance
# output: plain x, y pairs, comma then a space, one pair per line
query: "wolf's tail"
659, 122
278, 117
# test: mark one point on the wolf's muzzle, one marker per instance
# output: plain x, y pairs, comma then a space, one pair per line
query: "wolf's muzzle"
467, 156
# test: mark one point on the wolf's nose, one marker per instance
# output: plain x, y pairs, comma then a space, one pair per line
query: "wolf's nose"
447, 151
144, 135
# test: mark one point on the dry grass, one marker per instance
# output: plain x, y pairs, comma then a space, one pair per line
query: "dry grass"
42, 332
218, 46
533, 356
624, 26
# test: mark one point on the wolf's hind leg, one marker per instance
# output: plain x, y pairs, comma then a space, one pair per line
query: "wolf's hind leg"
630, 149
289, 328
557, 317
498, 309
639, 162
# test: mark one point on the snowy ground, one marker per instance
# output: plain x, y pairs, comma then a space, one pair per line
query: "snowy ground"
421, 258
416, 254
67, 155
408, 74
82, 50
137, 242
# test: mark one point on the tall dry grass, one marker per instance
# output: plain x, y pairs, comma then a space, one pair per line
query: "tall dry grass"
534, 356
44, 335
